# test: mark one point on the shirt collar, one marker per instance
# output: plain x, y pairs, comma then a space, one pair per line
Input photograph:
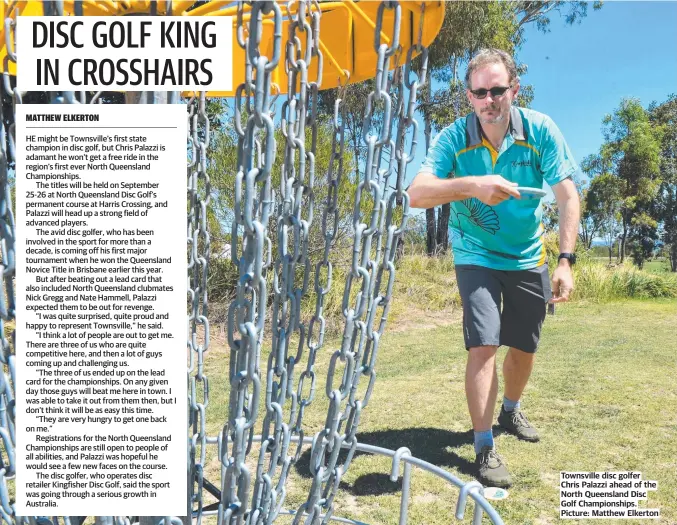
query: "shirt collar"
474, 129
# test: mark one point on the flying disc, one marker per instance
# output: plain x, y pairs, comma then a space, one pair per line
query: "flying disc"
495, 493
534, 193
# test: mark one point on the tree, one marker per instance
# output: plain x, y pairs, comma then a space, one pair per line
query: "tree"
643, 237
539, 12
603, 203
591, 223
600, 202
631, 149
665, 115
354, 100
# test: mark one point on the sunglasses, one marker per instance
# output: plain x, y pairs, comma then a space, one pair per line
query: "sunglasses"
497, 91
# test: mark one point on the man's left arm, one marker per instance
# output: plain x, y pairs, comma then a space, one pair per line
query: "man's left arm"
569, 216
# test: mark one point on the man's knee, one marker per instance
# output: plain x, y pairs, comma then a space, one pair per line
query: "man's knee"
519, 356
478, 354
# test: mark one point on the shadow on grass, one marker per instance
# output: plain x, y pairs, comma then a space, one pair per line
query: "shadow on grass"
434, 445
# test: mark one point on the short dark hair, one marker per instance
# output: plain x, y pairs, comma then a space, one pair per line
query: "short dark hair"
491, 56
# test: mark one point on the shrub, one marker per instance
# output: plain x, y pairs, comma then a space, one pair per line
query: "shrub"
597, 282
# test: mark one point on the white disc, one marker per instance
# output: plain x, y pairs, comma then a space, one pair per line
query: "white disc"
495, 493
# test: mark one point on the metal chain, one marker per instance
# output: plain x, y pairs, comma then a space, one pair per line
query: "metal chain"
7, 248
375, 209
247, 313
375, 213
291, 270
199, 194
372, 257
7, 295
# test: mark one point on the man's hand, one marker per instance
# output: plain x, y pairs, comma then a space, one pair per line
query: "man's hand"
562, 282
494, 189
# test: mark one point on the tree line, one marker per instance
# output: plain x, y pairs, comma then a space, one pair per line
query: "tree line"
630, 199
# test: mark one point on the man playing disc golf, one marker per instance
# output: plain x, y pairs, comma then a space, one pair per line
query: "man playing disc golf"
491, 166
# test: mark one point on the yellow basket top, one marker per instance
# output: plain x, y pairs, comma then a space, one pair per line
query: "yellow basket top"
346, 35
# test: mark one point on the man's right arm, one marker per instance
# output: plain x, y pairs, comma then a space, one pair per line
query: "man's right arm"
428, 191
431, 188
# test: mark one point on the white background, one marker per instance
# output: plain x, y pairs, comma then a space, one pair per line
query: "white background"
221, 55
168, 241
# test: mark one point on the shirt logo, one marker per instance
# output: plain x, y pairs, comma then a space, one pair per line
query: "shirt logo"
521, 163
477, 214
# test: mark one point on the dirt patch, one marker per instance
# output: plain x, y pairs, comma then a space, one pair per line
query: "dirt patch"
544, 520
426, 498
350, 504
550, 479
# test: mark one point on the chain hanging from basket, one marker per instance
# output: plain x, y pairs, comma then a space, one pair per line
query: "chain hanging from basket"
259, 498
368, 287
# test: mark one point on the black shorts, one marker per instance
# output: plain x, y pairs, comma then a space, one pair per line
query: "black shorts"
503, 307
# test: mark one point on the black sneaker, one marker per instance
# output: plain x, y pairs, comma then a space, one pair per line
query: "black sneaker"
491, 471
517, 423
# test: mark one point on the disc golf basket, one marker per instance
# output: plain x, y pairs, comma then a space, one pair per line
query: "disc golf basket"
280, 64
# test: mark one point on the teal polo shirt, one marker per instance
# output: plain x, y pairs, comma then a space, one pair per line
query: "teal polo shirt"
508, 236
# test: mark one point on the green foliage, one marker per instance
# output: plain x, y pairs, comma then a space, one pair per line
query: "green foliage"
221, 284
599, 252
353, 99
644, 236
422, 284
539, 12
590, 221
601, 209
665, 115
471, 26
598, 282
550, 216
659, 265
626, 179
222, 171
633, 150
428, 284
468, 27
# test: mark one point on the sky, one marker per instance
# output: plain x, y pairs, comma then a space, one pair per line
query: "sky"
581, 72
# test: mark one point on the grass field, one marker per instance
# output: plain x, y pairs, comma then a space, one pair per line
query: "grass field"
657, 266
603, 395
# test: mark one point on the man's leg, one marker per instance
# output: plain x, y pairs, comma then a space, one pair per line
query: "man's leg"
525, 294
481, 386
480, 291
517, 367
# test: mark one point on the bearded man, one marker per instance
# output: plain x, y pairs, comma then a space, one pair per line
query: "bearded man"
491, 166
